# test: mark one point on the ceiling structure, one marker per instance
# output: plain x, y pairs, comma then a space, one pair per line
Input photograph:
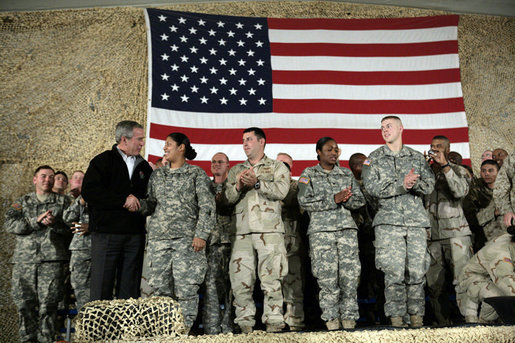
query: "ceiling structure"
487, 7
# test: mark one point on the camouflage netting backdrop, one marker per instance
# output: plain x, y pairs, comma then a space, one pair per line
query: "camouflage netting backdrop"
67, 77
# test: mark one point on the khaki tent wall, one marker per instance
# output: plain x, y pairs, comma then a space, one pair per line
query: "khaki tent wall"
67, 77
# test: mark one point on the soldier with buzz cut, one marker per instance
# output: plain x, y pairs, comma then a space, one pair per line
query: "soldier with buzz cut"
399, 177
256, 188
218, 252
42, 240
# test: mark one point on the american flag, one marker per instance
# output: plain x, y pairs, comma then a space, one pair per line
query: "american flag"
212, 76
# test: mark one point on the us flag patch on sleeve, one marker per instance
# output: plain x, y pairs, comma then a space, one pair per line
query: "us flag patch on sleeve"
366, 163
304, 180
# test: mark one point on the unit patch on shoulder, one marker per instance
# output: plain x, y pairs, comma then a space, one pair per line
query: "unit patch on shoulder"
17, 206
366, 162
507, 259
304, 180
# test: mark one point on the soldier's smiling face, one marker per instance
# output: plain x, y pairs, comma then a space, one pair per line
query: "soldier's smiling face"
44, 181
172, 150
219, 165
329, 154
391, 130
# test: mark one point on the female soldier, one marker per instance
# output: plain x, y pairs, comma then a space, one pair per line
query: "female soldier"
328, 192
183, 213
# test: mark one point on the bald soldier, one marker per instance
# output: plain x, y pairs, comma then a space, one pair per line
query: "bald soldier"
256, 188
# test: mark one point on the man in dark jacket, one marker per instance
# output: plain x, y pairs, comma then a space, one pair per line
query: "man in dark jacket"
114, 182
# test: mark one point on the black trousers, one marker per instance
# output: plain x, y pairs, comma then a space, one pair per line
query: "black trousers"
116, 259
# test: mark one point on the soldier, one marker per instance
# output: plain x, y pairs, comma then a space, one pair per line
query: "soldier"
499, 155
293, 285
80, 248
183, 213
504, 192
218, 252
76, 183
450, 245
490, 273
41, 249
489, 216
399, 177
487, 155
256, 188
60, 182
328, 193
371, 280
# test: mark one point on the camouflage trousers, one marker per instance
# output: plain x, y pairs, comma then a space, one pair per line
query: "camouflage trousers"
177, 271
335, 265
453, 254
480, 287
293, 285
80, 275
266, 253
401, 253
218, 290
36, 291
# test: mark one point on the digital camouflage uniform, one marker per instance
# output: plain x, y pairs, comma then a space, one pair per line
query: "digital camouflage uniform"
218, 286
400, 226
333, 239
259, 230
39, 255
293, 287
450, 245
490, 273
80, 248
504, 192
182, 207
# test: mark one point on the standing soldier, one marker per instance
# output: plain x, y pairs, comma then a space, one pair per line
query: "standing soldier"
504, 192
399, 177
256, 188
293, 287
450, 245
328, 193
41, 249
218, 253
80, 248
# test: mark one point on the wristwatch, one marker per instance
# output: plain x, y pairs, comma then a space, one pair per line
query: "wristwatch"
257, 185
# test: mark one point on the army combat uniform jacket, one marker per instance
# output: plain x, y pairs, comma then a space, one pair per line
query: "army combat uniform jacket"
383, 177
36, 242
223, 229
181, 203
445, 209
259, 210
316, 195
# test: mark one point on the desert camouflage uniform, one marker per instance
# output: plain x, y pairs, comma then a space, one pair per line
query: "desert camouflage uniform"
80, 248
450, 245
400, 226
504, 192
293, 286
37, 278
218, 286
333, 239
490, 273
491, 222
259, 229
182, 207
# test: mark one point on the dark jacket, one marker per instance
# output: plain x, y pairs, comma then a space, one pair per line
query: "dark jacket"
105, 188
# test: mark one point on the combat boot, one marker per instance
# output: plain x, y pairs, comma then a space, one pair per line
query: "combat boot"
333, 324
348, 324
416, 320
397, 321
246, 329
274, 327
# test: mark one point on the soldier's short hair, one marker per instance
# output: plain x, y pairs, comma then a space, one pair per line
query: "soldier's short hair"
260, 134
43, 167
222, 153
491, 162
60, 172
355, 158
391, 117
125, 128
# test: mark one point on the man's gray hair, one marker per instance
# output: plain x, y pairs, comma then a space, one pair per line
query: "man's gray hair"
125, 128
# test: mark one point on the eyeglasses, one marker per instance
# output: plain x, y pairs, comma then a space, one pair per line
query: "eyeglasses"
218, 162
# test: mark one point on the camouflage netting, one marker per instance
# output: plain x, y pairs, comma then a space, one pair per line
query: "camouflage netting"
67, 77
127, 319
